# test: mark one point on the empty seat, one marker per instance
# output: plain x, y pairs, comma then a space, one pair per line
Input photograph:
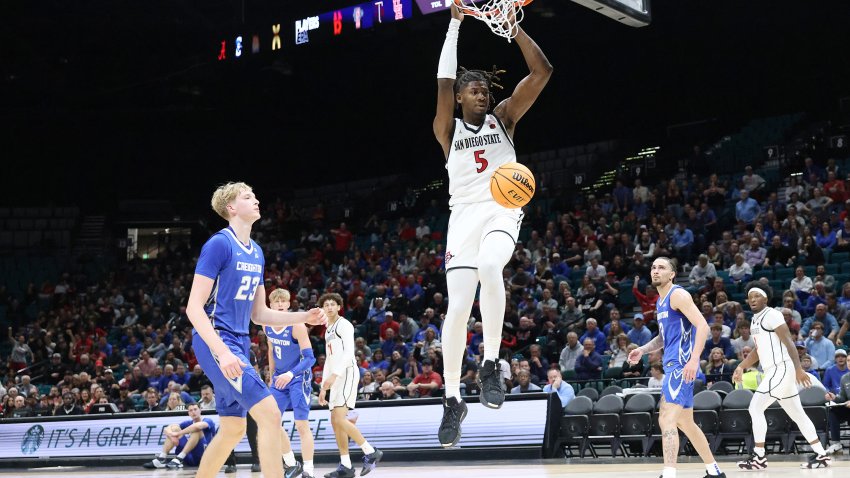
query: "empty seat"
636, 421
590, 393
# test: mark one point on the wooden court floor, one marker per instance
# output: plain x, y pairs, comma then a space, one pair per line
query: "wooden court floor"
786, 468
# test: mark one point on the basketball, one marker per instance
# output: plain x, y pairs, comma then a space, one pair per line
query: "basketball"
512, 185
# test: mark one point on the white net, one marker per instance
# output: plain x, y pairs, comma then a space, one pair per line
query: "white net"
502, 16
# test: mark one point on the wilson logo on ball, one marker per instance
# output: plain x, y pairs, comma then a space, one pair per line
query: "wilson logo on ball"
512, 185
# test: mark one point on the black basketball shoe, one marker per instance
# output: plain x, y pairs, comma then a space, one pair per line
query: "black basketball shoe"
490, 382
753, 463
454, 411
817, 461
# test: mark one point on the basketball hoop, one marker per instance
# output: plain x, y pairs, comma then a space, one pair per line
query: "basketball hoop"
502, 16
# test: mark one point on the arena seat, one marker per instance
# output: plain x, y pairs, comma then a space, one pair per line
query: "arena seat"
575, 425
605, 424
735, 422
636, 421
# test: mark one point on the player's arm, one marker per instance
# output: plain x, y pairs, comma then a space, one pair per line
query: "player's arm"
446, 74
784, 335
195, 427
841, 333
271, 361
528, 89
682, 301
299, 333
738, 373
261, 314
202, 286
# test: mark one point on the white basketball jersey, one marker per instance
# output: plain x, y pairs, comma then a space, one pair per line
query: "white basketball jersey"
474, 154
763, 329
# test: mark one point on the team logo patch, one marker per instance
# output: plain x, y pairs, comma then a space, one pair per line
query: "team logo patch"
449, 256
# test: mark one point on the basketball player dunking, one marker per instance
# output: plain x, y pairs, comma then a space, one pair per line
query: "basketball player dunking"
682, 332
780, 363
227, 294
482, 234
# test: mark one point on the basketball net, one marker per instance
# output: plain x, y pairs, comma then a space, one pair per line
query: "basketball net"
502, 16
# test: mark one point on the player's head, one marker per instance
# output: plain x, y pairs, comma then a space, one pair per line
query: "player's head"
758, 295
279, 299
663, 271
236, 200
331, 303
194, 411
474, 90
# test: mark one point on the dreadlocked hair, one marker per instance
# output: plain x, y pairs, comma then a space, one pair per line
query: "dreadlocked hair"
491, 78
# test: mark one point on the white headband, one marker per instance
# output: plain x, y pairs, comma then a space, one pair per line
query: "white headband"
758, 291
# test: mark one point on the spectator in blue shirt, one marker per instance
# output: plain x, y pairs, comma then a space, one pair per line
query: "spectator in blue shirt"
588, 363
639, 334
826, 238
832, 375
593, 333
557, 385
819, 347
559, 267
747, 210
413, 291
683, 241
134, 348
175, 388
827, 321
104, 349
717, 340
168, 375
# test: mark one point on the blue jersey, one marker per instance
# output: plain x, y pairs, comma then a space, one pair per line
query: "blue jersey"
286, 351
209, 431
676, 331
237, 270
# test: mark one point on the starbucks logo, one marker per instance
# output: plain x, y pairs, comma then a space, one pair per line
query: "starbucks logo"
32, 440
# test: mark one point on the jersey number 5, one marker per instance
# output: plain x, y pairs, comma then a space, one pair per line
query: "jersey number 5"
247, 288
481, 162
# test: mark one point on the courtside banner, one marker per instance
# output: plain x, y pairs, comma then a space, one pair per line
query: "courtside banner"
390, 425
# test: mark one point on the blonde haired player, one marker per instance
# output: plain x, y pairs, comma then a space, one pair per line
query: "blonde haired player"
290, 381
780, 362
340, 377
227, 294
482, 234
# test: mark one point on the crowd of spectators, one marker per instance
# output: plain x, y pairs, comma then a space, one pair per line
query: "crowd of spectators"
578, 297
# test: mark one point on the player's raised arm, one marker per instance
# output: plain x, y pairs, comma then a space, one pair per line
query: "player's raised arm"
528, 89
682, 301
261, 313
446, 74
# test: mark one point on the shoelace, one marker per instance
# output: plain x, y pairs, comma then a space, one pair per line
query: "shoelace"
454, 413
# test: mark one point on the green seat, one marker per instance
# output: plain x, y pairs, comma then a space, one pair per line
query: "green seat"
406, 381
832, 269
845, 267
568, 375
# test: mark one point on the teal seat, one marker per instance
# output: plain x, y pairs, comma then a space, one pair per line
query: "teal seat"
833, 269
845, 267
839, 257
768, 273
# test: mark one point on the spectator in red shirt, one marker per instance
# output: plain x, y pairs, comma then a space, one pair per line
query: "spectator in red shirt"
426, 382
342, 238
647, 302
389, 323
834, 188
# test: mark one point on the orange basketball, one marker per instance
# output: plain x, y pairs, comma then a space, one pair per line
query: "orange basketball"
512, 185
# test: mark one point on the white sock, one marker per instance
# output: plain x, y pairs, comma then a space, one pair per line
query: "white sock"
818, 448
668, 472
308, 467
289, 458
759, 450
181, 455
712, 468
345, 460
162, 455
367, 448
